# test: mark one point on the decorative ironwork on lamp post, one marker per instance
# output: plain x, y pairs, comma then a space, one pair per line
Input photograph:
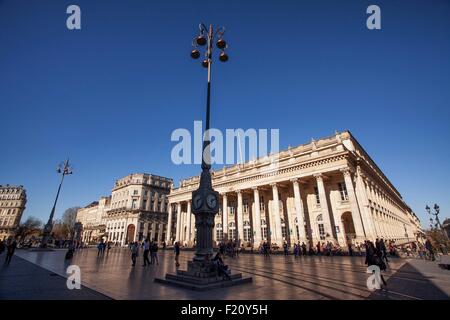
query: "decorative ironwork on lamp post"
205, 200
438, 224
63, 169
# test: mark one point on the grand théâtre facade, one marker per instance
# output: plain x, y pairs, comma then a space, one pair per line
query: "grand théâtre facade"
326, 190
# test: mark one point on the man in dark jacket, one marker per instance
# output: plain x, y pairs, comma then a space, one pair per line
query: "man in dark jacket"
10, 248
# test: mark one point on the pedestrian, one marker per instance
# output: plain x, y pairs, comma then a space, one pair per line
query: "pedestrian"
100, 249
318, 248
146, 252
222, 269
429, 247
383, 250
286, 249
134, 247
2, 246
303, 249
154, 253
376, 259
350, 249
176, 249
10, 248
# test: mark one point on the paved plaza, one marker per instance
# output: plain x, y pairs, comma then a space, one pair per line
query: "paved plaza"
279, 277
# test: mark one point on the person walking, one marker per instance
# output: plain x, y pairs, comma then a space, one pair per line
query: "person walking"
134, 247
286, 249
176, 249
303, 249
154, 253
350, 249
429, 247
383, 250
146, 252
10, 248
2, 246
100, 248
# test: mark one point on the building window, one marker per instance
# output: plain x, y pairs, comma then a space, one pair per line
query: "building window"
261, 204
232, 230
232, 208
245, 206
263, 229
316, 192
343, 191
283, 229
135, 192
133, 205
219, 232
247, 231
321, 231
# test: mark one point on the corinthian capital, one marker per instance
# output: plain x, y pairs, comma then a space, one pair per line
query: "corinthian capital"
345, 171
318, 176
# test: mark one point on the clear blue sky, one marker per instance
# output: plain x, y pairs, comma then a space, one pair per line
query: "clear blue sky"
109, 95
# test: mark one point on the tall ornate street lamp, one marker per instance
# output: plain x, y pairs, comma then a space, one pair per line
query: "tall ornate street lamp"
205, 200
63, 169
201, 273
436, 215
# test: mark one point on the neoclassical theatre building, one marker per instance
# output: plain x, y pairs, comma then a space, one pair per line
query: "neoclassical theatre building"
137, 208
12, 206
326, 190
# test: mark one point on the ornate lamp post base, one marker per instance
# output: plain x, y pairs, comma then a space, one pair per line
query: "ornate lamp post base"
199, 280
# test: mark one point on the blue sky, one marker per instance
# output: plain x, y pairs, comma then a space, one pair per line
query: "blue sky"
109, 95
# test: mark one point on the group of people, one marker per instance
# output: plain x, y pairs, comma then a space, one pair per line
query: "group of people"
9, 246
149, 248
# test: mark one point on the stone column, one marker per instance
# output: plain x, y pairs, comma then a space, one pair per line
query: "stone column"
169, 224
188, 223
276, 233
178, 236
240, 218
361, 194
163, 203
356, 215
256, 219
225, 217
192, 228
299, 210
160, 232
324, 206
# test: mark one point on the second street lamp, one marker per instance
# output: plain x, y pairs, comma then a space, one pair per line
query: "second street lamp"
63, 169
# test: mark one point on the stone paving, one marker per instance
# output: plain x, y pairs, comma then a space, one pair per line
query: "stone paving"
24, 280
276, 278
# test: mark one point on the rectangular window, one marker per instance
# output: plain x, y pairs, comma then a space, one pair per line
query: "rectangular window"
219, 234
135, 192
245, 206
261, 204
343, 191
321, 231
316, 192
133, 205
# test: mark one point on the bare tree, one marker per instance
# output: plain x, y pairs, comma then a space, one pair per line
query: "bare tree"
28, 227
67, 222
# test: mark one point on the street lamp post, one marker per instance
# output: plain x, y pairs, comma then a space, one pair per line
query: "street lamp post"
63, 169
205, 200
201, 273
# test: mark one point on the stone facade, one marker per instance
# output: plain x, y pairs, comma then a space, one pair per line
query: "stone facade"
325, 190
92, 220
12, 206
137, 208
